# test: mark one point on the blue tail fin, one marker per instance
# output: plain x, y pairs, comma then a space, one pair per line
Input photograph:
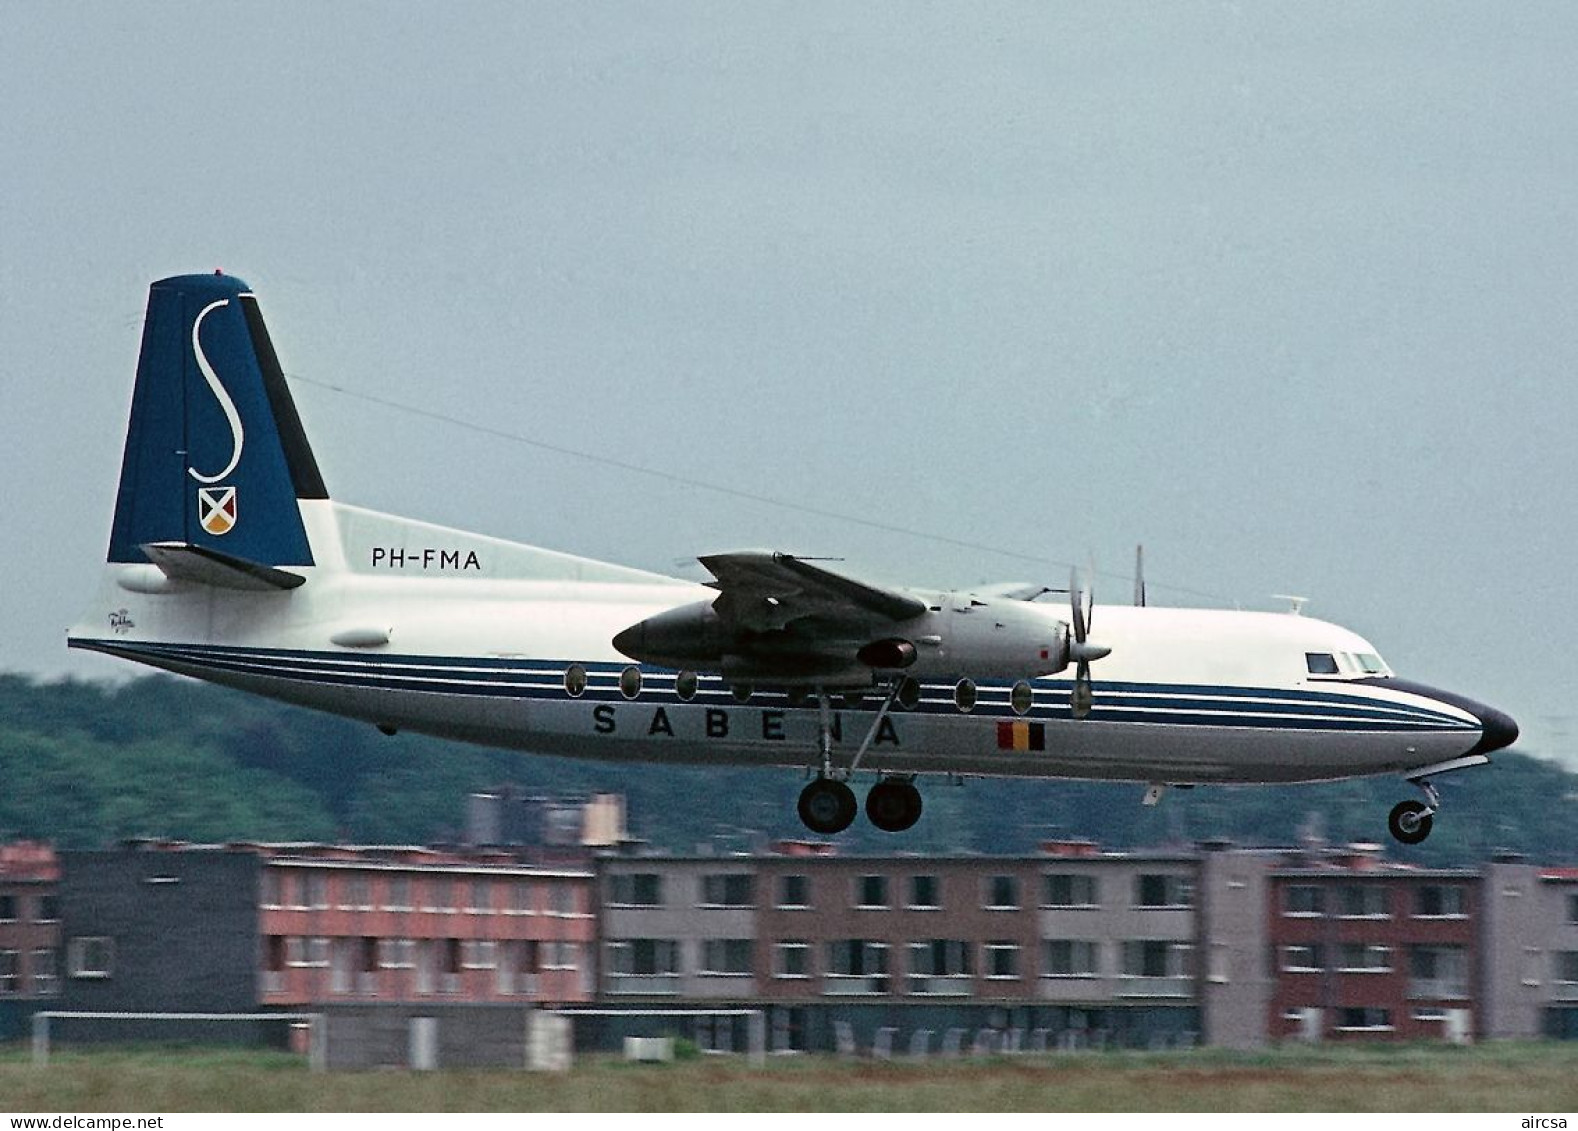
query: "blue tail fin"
215, 453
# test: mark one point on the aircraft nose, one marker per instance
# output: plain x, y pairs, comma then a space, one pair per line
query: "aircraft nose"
1498, 730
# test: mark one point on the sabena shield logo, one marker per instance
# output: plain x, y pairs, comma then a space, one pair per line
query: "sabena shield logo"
216, 509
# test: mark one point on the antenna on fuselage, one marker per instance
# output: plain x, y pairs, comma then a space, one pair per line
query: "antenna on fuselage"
1295, 604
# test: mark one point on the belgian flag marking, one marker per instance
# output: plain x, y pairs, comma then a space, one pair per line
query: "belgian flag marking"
1017, 734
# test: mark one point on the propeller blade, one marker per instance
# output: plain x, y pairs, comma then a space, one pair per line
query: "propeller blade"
1080, 700
1076, 601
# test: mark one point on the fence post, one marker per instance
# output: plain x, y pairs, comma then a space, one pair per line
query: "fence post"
40, 1039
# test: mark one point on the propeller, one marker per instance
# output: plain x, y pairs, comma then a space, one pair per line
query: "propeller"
1080, 650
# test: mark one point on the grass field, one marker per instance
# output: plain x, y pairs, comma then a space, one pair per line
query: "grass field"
1529, 1078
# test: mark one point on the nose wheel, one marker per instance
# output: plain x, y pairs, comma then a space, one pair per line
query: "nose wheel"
1410, 821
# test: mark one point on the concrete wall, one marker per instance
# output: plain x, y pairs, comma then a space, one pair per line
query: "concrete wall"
467, 1036
1235, 980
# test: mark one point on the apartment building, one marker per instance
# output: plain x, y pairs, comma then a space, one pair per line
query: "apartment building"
1363, 949
29, 933
1075, 948
238, 928
1529, 976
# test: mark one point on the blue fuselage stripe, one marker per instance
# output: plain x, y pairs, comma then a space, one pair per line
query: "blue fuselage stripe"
1168, 704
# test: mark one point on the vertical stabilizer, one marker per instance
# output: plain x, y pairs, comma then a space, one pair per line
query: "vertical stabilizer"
216, 457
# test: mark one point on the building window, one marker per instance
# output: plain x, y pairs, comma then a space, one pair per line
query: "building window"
637, 889
645, 957
1302, 958
48, 909
1157, 958
8, 908
794, 891
523, 897
1303, 899
871, 891
10, 972
1364, 1019
1438, 972
1000, 959
306, 951
562, 955
857, 966
91, 956
728, 889
439, 894
1068, 889
357, 891
478, 954
1069, 958
940, 966
792, 960
480, 901
271, 888
1566, 966
396, 954
726, 956
317, 890
1163, 890
46, 972
1572, 908
1361, 901
399, 894
925, 892
1440, 901
561, 900
1002, 893
1364, 958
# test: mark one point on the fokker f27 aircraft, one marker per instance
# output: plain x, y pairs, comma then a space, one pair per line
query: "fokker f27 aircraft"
228, 561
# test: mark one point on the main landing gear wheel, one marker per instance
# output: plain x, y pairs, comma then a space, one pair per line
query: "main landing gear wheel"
827, 806
893, 805
1410, 821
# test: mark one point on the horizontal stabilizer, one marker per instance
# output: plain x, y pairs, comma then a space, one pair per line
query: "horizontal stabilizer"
181, 561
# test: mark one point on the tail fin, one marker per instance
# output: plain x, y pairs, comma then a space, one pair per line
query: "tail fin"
216, 457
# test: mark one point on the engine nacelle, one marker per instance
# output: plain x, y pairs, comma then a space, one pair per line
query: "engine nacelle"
997, 639
691, 636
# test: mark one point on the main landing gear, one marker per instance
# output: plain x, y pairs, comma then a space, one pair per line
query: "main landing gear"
827, 804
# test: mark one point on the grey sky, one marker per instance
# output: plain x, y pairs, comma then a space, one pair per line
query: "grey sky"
1286, 292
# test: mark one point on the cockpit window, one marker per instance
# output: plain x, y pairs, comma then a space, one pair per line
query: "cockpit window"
1321, 663
1345, 665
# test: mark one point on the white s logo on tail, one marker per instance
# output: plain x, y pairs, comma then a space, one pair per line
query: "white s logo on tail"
228, 406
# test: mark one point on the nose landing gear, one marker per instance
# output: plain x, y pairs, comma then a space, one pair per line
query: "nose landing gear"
1410, 821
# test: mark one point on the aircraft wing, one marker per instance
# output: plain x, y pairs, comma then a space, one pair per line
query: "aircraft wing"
765, 592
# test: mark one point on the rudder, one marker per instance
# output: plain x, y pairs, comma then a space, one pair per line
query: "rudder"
215, 456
